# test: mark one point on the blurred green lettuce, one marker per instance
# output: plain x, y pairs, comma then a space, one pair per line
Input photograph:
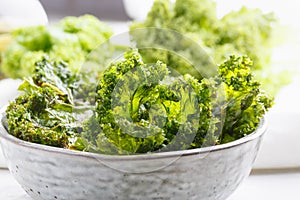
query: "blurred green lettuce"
247, 32
70, 40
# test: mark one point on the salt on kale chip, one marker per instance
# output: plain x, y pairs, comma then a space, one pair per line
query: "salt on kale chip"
70, 40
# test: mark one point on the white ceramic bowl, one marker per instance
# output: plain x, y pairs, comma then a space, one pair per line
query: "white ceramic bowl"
209, 173
16, 14
137, 9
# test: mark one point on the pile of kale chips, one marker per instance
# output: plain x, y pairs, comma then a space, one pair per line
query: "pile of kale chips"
164, 112
137, 105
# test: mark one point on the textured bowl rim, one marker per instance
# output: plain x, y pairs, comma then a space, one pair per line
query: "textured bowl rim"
204, 150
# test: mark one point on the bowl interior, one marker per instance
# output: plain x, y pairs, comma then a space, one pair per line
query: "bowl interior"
5, 135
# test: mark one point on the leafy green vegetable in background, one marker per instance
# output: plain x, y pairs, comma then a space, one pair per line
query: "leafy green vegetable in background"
249, 31
244, 32
71, 40
89, 30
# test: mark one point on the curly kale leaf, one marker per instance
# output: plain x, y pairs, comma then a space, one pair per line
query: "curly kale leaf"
44, 112
246, 102
105, 114
210, 100
140, 108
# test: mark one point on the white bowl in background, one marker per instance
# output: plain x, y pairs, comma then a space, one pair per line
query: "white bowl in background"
137, 9
23, 13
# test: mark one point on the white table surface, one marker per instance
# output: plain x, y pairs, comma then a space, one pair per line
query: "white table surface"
275, 186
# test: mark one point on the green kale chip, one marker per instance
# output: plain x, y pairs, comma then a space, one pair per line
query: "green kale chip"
143, 108
44, 112
245, 101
